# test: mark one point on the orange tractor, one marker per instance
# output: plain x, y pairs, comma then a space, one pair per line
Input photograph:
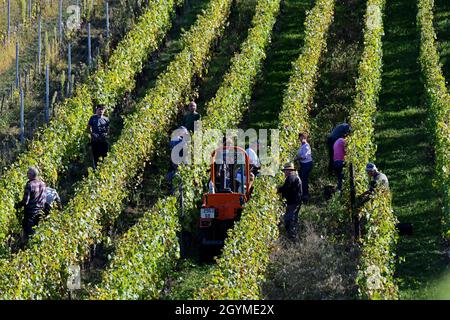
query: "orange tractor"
229, 190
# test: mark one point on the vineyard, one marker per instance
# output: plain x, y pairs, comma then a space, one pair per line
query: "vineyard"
126, 231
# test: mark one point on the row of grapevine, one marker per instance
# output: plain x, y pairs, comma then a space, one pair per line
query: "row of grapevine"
226, 109
377, 260
438, 101
56, 145
144, 256
146, 262
65, 238
240, 270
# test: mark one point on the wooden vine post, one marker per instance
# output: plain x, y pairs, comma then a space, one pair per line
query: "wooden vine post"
17, 64
60, 22
47, 94
39, 43
9, 21
107, 21
69, 71
89, 44
29, 10
22, 118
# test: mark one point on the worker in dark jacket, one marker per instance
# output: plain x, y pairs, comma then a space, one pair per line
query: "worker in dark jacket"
291, 190
340, 131
33, 201
98, 128
190, 117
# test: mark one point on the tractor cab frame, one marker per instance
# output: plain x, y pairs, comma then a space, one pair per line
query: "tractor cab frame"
229, 190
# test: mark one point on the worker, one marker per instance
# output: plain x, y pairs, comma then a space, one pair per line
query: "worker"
52, 200
33, 201
238, 182
178, 136
176, 139
291, 190
239, 178
221, 184
306, 163
190, 117
255, 164
225, 161
339, 160
339, 131
378, 182
250, 183
211, 187
98, 128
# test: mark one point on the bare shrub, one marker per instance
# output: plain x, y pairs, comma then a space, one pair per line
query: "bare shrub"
311, 268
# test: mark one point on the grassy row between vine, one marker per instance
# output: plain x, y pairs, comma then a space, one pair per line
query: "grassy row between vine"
144, 264
66, 237
54, 146
375, 278
227, 108
438, 100
240, 271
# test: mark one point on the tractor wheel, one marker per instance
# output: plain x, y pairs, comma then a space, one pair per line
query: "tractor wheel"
205, 254
205, 251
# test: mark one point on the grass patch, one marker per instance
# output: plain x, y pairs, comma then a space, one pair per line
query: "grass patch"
302, 270
405, 153
442, 28
185, 280
286, 46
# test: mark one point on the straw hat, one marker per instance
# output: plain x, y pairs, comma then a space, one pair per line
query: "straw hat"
288, 166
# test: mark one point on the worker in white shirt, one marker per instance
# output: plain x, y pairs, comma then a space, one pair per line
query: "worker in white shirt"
305, 161
52, 200
255, 164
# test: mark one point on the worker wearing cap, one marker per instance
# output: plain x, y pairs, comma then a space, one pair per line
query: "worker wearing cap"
291, 190
98, 128
378, 181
